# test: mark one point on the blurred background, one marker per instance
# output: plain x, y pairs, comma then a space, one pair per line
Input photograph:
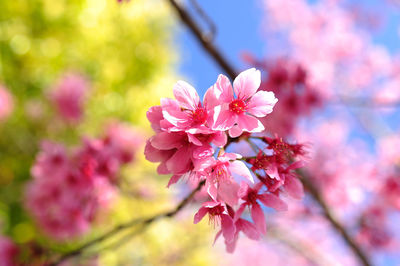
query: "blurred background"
76, 80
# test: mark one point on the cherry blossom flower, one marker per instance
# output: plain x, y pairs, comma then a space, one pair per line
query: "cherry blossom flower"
219, 180
218, 214
239, 113
186, 113
250, 197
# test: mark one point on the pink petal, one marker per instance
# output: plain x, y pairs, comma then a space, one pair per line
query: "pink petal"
210, 204
172, 113
229, 156
258, 217
219, 139
155, 155
273, 201
203, 152
180, 162
223, 90
240, 211
241, 169
186, 95
243, 190
162, 169
235, 131
249, 123
211, 189
228, 192
272, 171
223, 118
173, 180
154, 115
201, 164
210, 99
231, 246
294, 187
166, 141
262, 103
247, 83
248, 229
200, 214
228, 227
193, 139
296, 165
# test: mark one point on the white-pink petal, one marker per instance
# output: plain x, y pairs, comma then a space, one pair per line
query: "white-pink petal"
235, 131
262, 103
249, 123
223, 89
186, 95
247, 83
241, 169
273, 201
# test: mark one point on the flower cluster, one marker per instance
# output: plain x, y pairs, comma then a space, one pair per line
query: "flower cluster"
69, 188
188, 135
289, 80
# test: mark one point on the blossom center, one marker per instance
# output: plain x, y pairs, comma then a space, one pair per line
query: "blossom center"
216, 211
238, 106
220, 172
252, 197
199, 116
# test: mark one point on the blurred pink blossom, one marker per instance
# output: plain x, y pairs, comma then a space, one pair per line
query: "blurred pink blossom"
69, 96
6, 103
69, 189
8, 252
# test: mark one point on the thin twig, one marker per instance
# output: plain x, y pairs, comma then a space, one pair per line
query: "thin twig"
205, 43
142, 221
300, 247
307, 183
213, 29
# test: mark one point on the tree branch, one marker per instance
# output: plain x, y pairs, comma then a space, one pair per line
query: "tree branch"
313, 191
142, 221
300, 247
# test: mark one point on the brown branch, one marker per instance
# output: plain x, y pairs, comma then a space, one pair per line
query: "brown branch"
300, 247
203, 40
313, 191
206, 18
142, 221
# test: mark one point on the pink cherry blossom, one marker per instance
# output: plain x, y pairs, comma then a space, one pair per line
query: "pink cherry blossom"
69, 96
186, 113
6, 103
250, 197
247, 228
70, 187
8, 252
220, 183
239, 113
218, 214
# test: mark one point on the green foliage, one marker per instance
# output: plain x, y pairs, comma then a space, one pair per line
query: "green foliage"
124, 50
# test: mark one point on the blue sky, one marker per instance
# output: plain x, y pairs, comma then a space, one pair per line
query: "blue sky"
238, 29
